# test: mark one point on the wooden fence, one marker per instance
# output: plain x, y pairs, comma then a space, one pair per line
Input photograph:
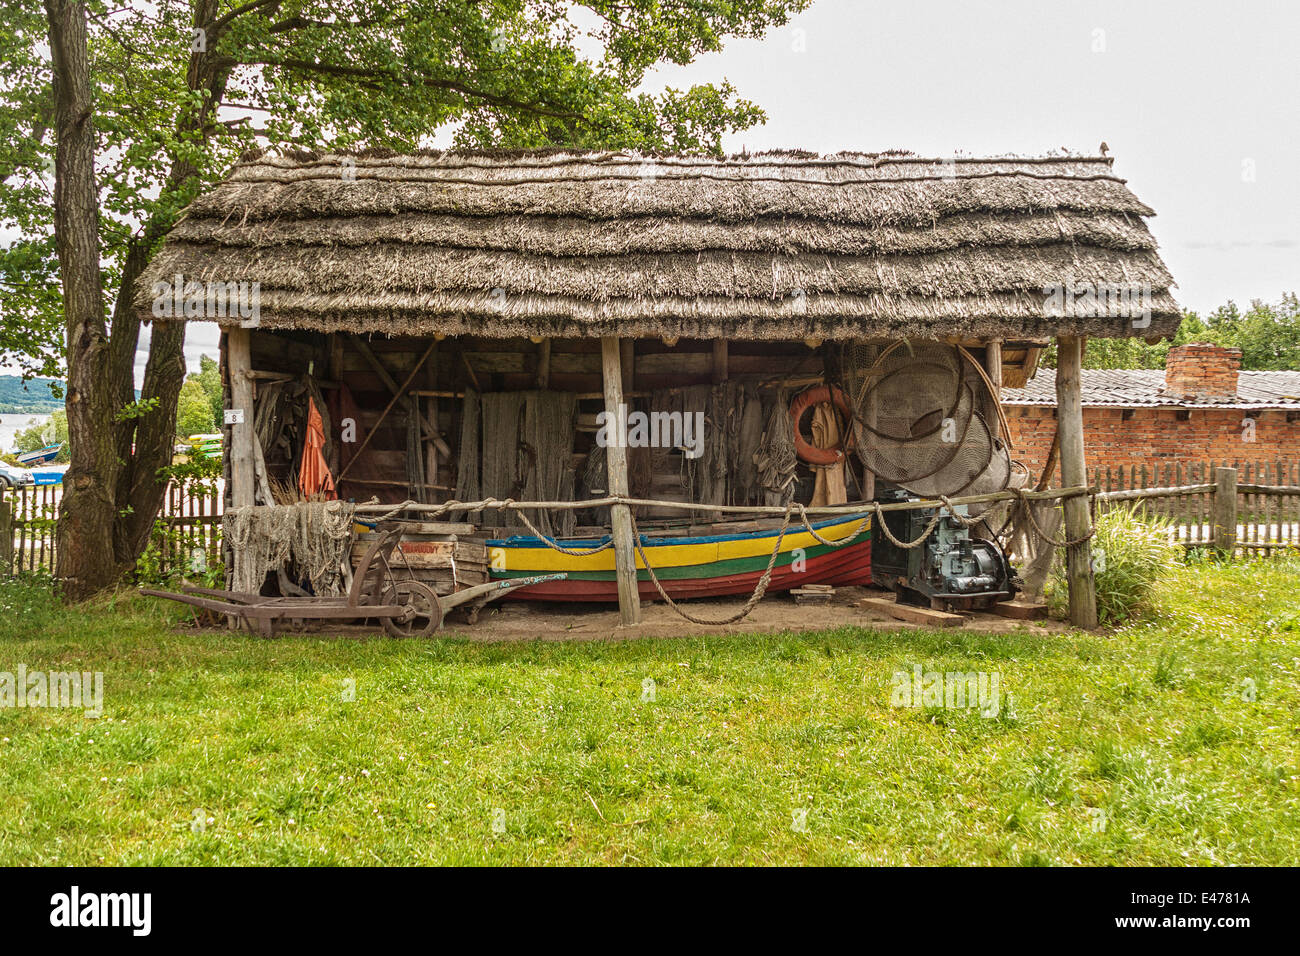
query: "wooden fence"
187, 533
1248, 507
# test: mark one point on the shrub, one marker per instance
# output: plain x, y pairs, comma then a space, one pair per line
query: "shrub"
1132, 550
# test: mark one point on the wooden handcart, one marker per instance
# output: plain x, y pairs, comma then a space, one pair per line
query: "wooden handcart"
405, 608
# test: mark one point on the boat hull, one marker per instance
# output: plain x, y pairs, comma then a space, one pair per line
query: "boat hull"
706, 566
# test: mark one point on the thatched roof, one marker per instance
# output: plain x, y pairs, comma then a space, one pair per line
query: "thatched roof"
768, 246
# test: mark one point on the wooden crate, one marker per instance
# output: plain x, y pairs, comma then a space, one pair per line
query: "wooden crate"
446, 562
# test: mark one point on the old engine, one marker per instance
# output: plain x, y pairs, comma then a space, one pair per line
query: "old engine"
951, 570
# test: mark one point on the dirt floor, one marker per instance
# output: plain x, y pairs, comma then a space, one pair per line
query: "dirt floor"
529, 621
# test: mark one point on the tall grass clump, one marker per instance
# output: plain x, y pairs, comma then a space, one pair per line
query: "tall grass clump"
1131, 551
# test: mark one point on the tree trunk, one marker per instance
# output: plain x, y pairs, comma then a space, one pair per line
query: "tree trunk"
87, 511
140, 490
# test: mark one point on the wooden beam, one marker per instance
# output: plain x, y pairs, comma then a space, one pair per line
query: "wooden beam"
243, 475
629, 599
719, 369
1074, 471
913, 615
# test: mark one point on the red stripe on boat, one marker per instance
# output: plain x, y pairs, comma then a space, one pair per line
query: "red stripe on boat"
846, 567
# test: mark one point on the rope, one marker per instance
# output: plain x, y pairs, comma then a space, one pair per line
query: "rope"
555, 546
803, 516
1033, 523
759, 589
884, 526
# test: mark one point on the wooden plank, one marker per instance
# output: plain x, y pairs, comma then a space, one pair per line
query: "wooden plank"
629, 599
911, 614
1020, 610
437, 527
1074, 471
676, 363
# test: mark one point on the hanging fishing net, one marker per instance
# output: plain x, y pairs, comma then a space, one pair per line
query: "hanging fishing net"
918, 417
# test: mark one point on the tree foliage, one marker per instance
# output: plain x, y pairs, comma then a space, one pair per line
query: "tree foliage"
193, 410
1267, 334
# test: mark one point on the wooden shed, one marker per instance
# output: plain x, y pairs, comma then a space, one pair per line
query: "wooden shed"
470, 315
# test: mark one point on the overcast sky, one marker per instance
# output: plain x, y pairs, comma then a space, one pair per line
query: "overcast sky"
1198, 102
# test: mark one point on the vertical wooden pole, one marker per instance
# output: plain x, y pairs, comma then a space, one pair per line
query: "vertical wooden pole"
1074, 471
544, 364
629, 600
719, 361
1224, 534
993, 365
242, 474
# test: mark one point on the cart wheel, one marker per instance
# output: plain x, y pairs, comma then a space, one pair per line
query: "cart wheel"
423, 601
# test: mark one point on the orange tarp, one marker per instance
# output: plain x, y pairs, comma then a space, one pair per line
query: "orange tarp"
314, 475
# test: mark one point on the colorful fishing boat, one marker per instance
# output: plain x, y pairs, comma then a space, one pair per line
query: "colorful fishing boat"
694, 566
40, 456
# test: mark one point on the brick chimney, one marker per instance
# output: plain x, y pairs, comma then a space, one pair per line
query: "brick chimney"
1201, 370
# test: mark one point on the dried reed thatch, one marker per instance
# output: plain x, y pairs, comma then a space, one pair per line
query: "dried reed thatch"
769, 246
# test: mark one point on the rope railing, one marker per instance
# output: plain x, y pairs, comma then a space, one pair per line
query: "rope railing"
773, 511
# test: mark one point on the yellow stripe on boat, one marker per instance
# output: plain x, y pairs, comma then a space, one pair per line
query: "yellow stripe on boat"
542, 558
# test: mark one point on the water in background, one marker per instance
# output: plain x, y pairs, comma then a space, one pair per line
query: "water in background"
14, 422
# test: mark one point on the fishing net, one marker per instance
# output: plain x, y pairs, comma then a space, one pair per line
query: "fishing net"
316, 536
776, 458
917, 420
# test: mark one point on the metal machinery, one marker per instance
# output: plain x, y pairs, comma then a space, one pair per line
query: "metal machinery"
949, 571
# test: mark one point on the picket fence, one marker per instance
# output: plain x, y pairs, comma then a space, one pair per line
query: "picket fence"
187, 533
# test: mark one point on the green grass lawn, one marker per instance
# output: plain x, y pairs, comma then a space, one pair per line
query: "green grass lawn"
457, 752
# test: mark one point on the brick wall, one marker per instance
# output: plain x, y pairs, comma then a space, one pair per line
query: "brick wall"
1156, 435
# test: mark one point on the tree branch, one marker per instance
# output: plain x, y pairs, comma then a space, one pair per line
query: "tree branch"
454, 86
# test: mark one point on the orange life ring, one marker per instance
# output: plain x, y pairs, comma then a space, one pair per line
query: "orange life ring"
805, 400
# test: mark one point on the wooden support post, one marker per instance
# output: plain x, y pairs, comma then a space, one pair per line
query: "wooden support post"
629, 599
243, 474
1074, 471
1224, 534
544, 364
719, 361
993, 365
